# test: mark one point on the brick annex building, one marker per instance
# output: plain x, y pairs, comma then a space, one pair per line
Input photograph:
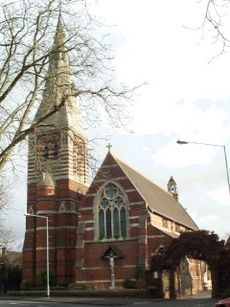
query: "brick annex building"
100, 235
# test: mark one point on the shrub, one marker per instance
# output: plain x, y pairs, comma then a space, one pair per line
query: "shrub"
25, 285
226, 293
140, 272
42, 278
59, 287
129, 284
14, 278
85, 286
72, 286
79, 286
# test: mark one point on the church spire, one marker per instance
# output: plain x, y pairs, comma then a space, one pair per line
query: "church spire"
58, 77
57, 169
62, 133
59, 38
59, 87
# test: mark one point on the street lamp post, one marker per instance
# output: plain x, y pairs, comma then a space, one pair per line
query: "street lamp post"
215, 145
47, 248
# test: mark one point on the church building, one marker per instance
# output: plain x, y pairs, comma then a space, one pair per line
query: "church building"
124, 219
103, 234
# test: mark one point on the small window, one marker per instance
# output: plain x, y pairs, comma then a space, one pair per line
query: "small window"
55, 150
46, 152
177, 228
165, 223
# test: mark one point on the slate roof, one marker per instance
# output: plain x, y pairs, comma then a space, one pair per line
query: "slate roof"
157, 199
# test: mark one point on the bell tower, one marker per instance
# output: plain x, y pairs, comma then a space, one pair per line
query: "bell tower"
57, 172
172, 187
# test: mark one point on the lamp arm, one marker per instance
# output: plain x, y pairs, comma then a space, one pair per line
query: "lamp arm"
226, 165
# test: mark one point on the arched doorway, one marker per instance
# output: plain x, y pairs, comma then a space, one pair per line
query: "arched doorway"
200, 245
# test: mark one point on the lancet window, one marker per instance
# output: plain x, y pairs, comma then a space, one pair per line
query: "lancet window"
112, 213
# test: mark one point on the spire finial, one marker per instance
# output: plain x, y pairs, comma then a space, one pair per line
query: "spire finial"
109, 147
59, 39
60, 9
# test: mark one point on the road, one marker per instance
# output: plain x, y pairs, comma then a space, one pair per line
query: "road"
70, 302
199, 300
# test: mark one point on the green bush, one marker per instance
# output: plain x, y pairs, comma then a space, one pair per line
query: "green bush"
129, 284
72, 286
226, 293
79, 286
42, 278
85, 286
14, 277
25, 285
140, 272
59, 287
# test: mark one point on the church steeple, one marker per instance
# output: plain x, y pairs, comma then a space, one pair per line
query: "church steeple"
59, 87
59, 38
62, 133
57, 171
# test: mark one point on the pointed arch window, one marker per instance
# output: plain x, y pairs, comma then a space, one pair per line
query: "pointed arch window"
55, 150
112, 213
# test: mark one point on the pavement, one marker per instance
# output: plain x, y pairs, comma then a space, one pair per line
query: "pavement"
103, 301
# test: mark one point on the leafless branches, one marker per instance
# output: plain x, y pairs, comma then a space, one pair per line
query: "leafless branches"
26, 48
216, 21
6, 235
3, 193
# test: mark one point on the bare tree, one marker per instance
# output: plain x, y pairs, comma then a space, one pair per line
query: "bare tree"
216, 21
3, 193
26, 45
6, 235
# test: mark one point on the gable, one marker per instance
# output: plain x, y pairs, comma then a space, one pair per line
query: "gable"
110, 170
139, 188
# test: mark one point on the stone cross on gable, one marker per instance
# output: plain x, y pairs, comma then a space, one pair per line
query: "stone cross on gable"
109, 146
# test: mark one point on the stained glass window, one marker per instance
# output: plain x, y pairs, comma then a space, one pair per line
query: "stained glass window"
112, 213
116, 223
108, 224
123, 222
101, 224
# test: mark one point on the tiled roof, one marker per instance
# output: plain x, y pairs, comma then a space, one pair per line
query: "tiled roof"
157, 199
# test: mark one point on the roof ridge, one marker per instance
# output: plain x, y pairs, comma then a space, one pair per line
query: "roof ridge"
146, 189
145, 177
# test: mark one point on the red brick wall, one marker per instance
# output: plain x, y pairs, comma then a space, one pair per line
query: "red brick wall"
62, 232
135, 250
76, 254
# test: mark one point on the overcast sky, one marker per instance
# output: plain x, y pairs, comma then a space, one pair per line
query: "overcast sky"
186, 97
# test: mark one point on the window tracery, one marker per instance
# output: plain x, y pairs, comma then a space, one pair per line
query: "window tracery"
48, 145
112, 213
